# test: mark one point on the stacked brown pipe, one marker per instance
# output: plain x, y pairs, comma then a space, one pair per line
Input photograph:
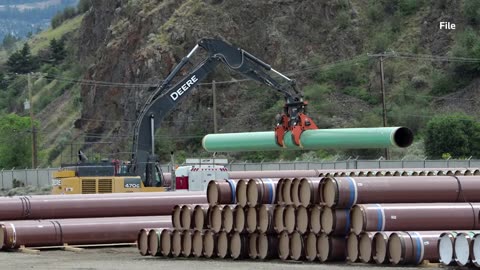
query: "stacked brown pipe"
58, 220
95, 205
355, 172
259, 218
398, 220
394, 220
92, 231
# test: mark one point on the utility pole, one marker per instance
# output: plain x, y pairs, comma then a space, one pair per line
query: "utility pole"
173, 176
382, 80
214, 90
382, 85
34, 132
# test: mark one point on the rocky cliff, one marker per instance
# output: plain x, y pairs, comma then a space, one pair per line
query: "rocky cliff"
138, 42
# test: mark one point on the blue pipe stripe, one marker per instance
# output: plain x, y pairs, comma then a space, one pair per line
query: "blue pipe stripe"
347, 224
270, 194
351, 187
379, 217
233, 189
418, 253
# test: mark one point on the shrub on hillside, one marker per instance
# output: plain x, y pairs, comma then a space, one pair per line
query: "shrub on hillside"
457, 134
443, 84
84, 5
471, 9
467, 45
62, 16
409, 7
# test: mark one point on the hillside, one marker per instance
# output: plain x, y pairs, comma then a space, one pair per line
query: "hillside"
21, 18
122, 49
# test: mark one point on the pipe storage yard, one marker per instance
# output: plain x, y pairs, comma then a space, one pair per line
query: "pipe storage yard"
351, 216
346, 138
397, 220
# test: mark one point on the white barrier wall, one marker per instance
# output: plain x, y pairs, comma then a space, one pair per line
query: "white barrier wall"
42, 177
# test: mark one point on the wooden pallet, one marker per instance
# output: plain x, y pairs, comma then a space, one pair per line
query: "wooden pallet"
67, 247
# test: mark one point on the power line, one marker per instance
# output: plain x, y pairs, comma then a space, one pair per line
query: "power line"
127, 85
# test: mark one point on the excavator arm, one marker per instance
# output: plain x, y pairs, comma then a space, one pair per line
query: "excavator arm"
166, 98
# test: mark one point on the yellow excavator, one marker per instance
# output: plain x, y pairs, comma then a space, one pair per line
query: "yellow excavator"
104, 177
143, 173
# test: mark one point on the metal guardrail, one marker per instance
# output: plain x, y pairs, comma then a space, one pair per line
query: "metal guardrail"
42, 177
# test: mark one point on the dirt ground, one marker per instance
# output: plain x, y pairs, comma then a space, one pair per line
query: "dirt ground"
120, 258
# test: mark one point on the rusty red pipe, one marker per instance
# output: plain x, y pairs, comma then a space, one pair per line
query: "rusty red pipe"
352, 247
297, 246
335, 221
308, 191
222, 191
310, 241
265, 219
344, 192
35, 233
222, 245
331, 248
380, 247
241, 192
273, 174
415, 216
413, 247
261, 191
238, 246
129, 204
315, 213
301, 219
267, 246
365, 246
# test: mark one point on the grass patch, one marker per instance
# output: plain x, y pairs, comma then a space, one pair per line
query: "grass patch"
42, 40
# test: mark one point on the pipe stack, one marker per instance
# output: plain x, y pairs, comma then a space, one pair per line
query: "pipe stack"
399, 220
85, 231
384, 220
259, 218
58, 220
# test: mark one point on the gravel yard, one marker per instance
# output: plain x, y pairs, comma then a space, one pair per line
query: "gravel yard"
119, 258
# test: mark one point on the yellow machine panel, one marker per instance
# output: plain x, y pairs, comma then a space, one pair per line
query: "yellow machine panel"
93, 185
63, 174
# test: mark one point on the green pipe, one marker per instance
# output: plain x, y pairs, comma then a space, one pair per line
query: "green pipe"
346, 138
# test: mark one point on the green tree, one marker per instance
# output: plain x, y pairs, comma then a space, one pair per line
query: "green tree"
57, 50
69, 12
471, 9
57, 20
467, 45
3, 82
457, 135
84, 5
22, 61
9, 41
15, 141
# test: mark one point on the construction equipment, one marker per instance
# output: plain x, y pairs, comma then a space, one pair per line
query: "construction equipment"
110, 176
167, 97
144, 165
